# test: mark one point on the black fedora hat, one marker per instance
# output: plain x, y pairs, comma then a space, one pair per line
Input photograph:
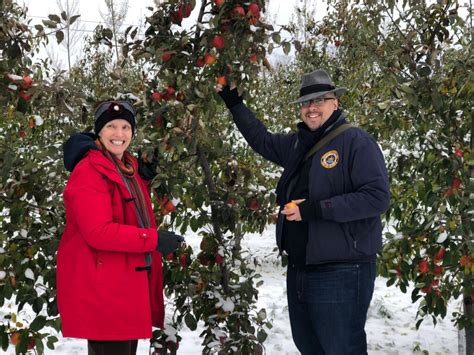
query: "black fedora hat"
316, 84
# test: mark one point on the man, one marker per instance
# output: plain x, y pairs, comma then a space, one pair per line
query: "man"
332, 232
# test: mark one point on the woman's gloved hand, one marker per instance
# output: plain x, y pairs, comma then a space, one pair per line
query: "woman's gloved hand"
168, 242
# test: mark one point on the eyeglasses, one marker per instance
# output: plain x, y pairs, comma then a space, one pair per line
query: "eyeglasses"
317, 102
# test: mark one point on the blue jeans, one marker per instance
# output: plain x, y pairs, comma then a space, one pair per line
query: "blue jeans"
328, 307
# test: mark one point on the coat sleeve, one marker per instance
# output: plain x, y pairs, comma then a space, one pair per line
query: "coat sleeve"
370, 186
88, 201
273, 147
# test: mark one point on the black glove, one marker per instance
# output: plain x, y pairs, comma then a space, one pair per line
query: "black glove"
147, 169
168, 242
230, 97
75, 148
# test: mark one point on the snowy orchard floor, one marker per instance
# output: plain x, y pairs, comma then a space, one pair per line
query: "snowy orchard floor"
390, 326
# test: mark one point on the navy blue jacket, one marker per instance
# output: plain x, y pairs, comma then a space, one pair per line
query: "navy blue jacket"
348, 179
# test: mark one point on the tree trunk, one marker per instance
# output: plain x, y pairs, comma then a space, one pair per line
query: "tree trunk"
213, 194
469, 313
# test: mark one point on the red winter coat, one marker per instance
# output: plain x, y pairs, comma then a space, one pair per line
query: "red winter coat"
101, 295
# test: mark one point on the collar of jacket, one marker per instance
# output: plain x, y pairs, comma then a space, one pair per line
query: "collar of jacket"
103, 165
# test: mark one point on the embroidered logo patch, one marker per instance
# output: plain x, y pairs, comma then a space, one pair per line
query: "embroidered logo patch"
330, 159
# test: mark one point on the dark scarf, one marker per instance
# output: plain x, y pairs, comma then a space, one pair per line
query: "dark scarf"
305, 141
127, 172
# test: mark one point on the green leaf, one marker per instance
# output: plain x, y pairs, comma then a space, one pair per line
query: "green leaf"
49, 24
59, 36
38, 323
190, 321
406, 89
261, 335
195, 225
107, 33
287, 47
73, 19
276, 38
54, 18
5, 342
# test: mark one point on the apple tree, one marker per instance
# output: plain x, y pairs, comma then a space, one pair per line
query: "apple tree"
223, 189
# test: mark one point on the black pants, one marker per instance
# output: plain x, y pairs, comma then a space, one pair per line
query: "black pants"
113, 347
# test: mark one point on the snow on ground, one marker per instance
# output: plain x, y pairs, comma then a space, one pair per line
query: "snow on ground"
390, 326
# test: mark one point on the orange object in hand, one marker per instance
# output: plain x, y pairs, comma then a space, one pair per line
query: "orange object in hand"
290, 205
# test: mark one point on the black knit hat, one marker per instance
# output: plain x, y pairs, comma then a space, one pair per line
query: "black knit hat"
112, 110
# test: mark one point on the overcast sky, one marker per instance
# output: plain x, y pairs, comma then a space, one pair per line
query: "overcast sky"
279, 10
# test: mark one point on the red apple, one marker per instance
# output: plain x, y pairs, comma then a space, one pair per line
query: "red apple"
459, 153
238, 11
183, 259
15, 338
456, 183
426, 289
337, 43
166, 56
219, 259
156, 96
168, 207
253, 58
27, 82
221, 80
231, 202
218, 42
209, 58
254, 10
440, 254
186, 9
438, 270
200, 62
177, 16
31, 343
219, 3
170, 90
23, 95
423, 266
464, 260
399, 270
254, 205
170, 256
159, 121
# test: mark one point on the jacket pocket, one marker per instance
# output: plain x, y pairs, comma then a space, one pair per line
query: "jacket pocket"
362, 232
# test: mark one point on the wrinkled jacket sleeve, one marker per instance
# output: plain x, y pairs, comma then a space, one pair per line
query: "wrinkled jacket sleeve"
274, 147
370, 185
88, 201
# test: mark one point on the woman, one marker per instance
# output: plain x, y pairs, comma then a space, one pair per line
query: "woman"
109, 283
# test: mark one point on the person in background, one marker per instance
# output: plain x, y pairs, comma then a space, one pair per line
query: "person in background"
109, 271
332, 191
